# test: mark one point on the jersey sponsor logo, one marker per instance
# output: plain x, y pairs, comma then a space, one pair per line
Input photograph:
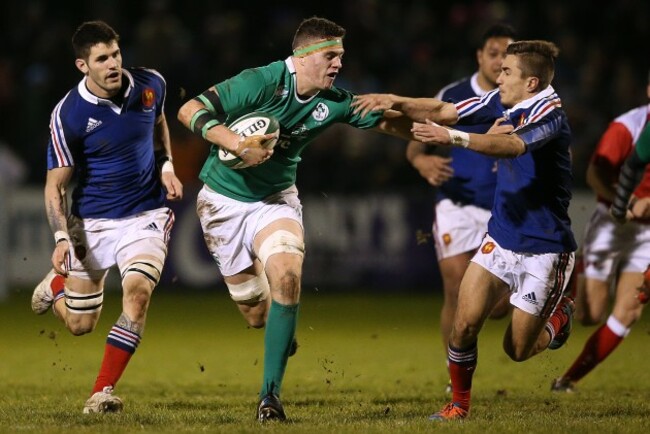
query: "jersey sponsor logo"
299, 132
148, 99
530, 298
92, 124
488, 247
321, 112
446, 238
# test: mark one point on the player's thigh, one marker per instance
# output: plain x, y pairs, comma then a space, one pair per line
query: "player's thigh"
452, 270
605, 243
522, 334
592, 300
479, 291
458, 229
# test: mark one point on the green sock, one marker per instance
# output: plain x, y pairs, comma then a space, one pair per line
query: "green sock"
280, 329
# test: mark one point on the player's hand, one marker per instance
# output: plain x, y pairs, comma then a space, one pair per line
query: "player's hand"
499, 128
365, 104
60, 257
639, 208
434, 168
621, 219
252, 151
172, 185
431, 133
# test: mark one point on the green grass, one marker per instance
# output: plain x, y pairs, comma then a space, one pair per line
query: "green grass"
366, 363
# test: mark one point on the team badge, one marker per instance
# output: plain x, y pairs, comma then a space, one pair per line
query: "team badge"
522, 119
148, 98
281, 92
446, 238
321, 112
488, 248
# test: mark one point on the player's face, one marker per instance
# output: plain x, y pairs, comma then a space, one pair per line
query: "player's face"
513, 88
490, 58
104, 69
322, 67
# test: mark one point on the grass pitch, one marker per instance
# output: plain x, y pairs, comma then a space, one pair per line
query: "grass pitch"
366, 363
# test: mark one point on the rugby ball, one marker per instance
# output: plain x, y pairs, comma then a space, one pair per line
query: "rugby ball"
252, 124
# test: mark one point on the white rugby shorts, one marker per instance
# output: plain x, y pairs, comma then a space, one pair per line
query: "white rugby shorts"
609, 247
536, 281
458, 228
100, 244
230, 226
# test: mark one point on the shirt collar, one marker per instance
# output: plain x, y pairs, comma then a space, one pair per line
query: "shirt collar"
475, 87
527, 103
93, 99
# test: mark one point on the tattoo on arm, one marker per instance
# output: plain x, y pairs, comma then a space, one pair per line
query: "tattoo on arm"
57, 214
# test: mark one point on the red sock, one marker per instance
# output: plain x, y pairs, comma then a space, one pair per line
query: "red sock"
556, 322
462, 364
57, 286
120, 346
598, 347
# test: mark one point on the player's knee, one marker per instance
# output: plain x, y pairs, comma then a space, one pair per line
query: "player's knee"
500, 310
465, 330
287, 285
249, 292
81, 324
516, 355
137, 298
142, 273
256, 321
280, 242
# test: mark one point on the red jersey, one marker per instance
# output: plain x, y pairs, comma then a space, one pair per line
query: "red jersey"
617, 143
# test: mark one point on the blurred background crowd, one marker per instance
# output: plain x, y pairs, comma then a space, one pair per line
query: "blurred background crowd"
406, 47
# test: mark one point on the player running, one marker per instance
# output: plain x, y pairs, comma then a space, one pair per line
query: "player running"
252, 217
109, 133
528, 251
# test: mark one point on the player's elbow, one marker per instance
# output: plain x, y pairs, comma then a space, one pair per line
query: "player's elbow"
185, 113
449, 117
517, 146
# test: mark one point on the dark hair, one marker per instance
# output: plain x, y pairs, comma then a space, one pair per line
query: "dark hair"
315, 28
536, 59
92, 33
499, 30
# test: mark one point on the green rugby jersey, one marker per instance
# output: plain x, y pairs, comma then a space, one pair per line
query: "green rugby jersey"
272, 89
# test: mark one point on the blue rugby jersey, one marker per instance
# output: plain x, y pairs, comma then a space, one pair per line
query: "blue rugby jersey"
475, 174
530, 212
110, 147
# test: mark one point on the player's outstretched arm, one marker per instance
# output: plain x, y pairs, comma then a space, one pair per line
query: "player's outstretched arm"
418, 109
495, 145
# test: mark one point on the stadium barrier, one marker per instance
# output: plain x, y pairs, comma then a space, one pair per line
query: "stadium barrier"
379, 241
